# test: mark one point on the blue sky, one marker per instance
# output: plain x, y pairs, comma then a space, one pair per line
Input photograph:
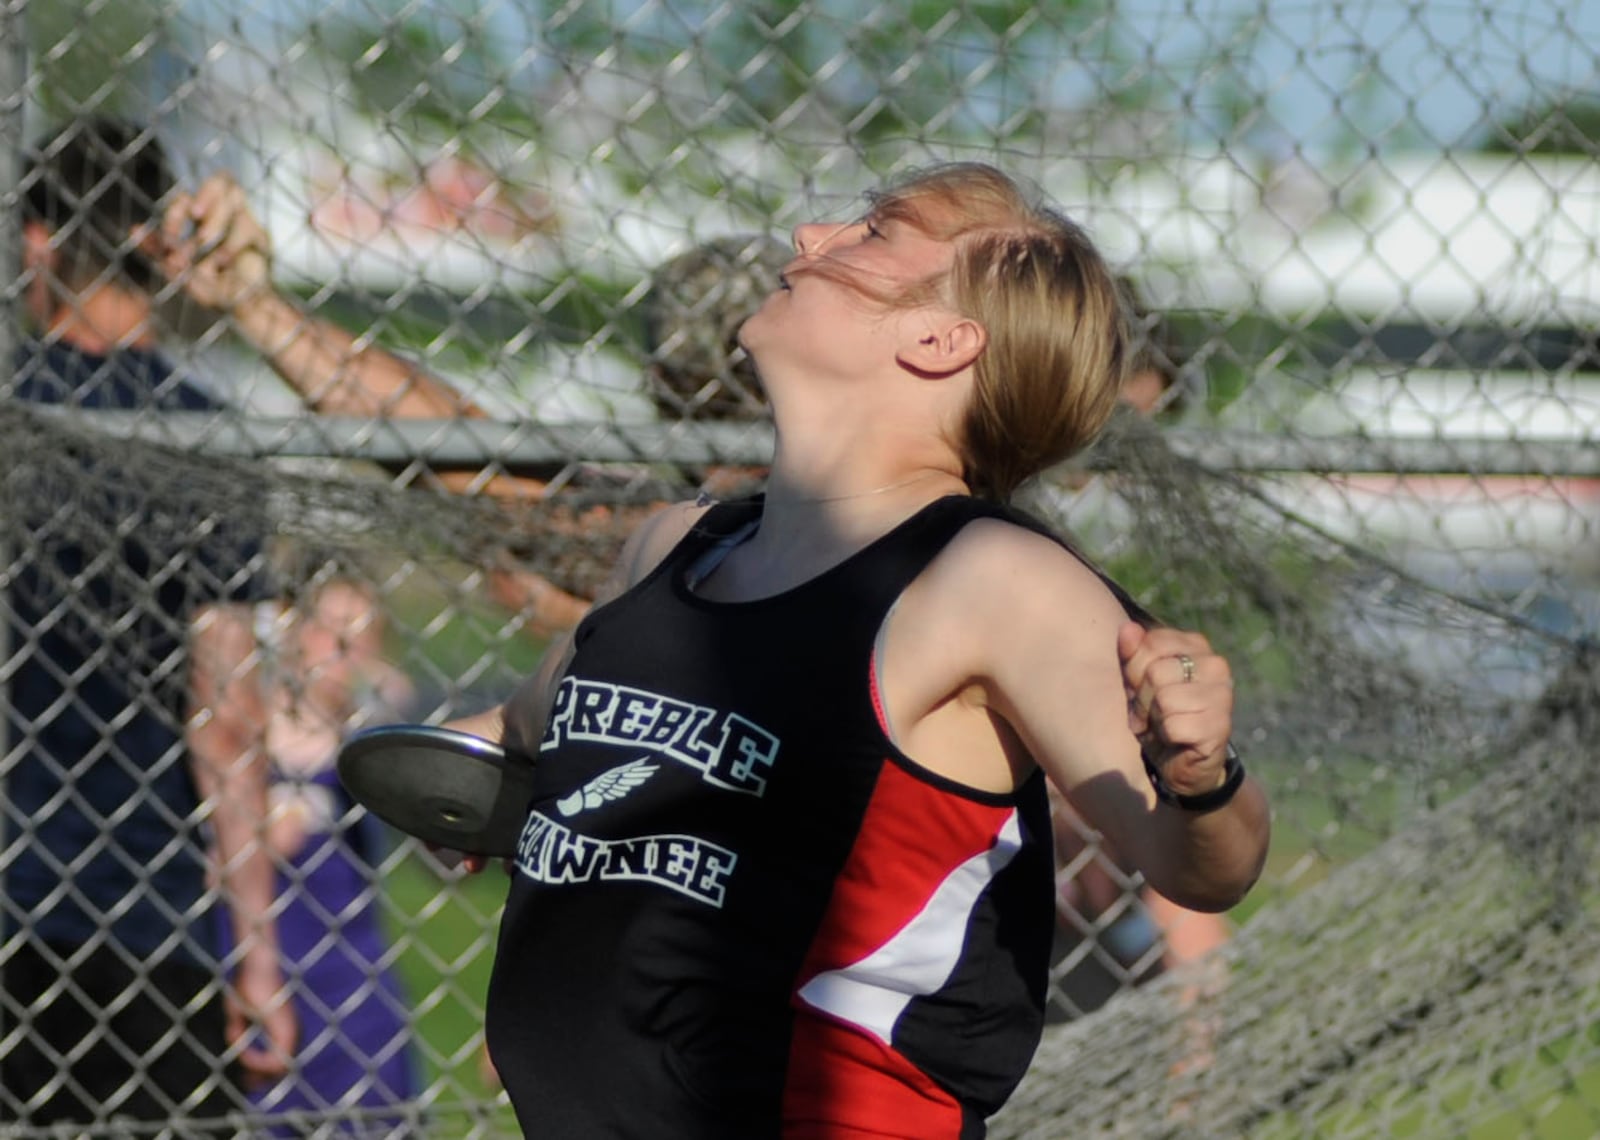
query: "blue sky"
1441, 62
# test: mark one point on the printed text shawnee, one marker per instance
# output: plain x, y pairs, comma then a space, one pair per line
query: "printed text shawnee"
551, 853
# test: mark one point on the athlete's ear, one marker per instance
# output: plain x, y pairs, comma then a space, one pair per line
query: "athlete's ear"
943, 344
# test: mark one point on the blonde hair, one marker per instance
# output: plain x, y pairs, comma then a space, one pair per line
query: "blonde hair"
1058, 340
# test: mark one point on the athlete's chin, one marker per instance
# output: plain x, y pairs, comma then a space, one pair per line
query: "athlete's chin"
757, 327
761, 338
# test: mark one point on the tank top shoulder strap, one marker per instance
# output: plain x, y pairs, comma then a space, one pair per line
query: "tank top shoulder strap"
885, 568
728, 517
721, 524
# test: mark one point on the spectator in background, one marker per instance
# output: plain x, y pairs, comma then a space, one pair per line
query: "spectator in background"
101, 705
134, 710
692, 313
326, 675
693, 310
1151, 387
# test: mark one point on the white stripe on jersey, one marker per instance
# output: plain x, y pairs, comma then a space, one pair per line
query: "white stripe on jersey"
873, 992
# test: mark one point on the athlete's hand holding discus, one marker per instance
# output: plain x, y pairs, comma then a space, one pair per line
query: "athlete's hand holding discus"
487, 725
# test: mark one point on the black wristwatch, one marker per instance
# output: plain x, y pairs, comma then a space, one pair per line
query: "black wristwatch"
1233, 778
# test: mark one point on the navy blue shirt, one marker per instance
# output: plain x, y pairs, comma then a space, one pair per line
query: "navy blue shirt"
114, 559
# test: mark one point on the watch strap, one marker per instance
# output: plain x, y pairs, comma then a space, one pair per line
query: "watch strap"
1233, 778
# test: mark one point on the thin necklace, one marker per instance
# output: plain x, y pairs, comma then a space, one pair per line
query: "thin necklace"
868, 494
704, 498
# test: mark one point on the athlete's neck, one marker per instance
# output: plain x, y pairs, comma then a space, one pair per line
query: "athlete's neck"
803, 535
796, 498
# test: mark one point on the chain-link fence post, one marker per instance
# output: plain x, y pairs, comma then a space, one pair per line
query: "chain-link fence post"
13, 77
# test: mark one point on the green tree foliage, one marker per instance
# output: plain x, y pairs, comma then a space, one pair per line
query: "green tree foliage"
448, 62
1566, 125
96, 56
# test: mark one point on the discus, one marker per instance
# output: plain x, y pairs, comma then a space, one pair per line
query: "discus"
451, 789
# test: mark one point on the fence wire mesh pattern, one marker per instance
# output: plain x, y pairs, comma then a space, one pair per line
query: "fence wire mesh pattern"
1361, 455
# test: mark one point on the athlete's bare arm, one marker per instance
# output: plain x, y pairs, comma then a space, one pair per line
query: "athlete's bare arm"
1009, 651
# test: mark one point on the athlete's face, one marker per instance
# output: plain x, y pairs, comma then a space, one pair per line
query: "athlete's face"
882, 255
839, 308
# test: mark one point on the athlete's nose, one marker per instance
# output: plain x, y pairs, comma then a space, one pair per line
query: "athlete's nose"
813, 237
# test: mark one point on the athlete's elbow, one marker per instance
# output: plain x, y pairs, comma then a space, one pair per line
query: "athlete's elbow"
1228, 880
1219, 875
1217, 892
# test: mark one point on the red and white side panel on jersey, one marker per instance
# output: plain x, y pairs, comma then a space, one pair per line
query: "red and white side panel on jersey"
872, 992
895, 930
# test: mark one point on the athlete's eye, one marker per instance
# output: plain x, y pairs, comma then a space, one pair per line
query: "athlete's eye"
872, 230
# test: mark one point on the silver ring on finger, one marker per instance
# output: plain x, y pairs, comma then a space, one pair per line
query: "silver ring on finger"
1187, 664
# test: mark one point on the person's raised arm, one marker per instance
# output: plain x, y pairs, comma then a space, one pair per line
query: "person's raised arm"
225, 740
215, 249
1086, 690
219, 253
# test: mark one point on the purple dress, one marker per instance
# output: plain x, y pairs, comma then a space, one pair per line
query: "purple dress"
355, 1067
355, 1023
354, 1071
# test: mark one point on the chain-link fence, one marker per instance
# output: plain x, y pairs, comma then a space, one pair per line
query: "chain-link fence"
1361, 456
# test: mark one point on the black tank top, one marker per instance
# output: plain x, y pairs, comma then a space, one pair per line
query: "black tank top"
737, 909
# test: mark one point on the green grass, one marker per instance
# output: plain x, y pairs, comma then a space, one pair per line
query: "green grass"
1539, 1099
1551, 1091
443, 629
445, 932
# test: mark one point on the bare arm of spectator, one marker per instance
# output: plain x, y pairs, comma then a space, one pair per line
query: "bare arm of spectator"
213, 246
225, 744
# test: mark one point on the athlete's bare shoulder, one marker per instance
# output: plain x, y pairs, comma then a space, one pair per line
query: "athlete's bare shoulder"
999, 594
1042, 639
1003, 577
1005, 622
